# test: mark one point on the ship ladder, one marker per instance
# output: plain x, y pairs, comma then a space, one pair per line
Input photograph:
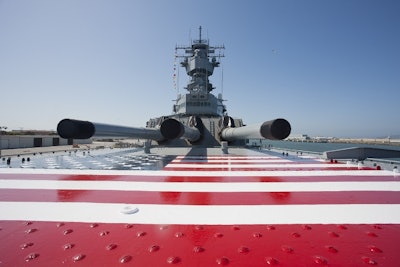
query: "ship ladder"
212, 128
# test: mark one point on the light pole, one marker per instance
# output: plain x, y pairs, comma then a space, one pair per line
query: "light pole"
1, 129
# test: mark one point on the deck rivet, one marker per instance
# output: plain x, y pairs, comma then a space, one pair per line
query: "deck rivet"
287, 249
173, 260
199, 227
179, 234
163, 227
78, 257
342, 227
235, 227
125, 259
128, 226
374, 249
67, 232
320, 260
371, 234
257, 235
333, 234
58, 225
376, 226
271, 261
243, 250
154, 248
218, 235
104, 233
68, 246
31, 230
296, 235
198, 249
306, 227
369, 261
270, 227
26, 245
111, 246
31, 256
141, 234
93, 225
223, 261
332, 249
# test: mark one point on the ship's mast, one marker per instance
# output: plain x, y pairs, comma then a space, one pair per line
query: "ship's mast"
200, 33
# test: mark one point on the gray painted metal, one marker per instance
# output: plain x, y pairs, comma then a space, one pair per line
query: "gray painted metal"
121, 131
172, 129
77, 129
199, 59
275, 130
361, 153
198, 117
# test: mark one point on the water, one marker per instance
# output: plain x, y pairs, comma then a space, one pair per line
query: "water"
318, 148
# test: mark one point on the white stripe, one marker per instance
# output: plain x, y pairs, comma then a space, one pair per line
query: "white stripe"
201, 186
256, 166
304, 173
198, 214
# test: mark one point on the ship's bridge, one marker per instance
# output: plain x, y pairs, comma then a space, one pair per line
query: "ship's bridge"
199, 104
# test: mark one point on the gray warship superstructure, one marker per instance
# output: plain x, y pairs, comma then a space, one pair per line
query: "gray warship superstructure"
199, 118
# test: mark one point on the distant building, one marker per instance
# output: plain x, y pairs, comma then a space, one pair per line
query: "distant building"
320, 139
32, 132
27, 141
299, 138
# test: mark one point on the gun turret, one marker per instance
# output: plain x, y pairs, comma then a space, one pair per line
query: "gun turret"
172, 129
277, 129
168, 130
199, 118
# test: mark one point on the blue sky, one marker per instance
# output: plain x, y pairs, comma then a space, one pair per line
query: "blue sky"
332, 68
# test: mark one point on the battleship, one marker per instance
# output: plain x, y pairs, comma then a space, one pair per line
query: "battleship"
200, 119
194, 195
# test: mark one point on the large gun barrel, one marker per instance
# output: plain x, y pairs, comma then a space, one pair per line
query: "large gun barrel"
77, 129
168, 130
172, 129
277, 129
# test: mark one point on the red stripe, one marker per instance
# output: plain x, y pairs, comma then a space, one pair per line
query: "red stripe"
56, 244
208, 179
227, 157
233, 168
201, 198
238, 162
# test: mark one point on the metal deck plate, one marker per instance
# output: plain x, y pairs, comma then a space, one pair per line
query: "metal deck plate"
248, 209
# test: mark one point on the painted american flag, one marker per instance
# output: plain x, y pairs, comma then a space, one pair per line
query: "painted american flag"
229, 210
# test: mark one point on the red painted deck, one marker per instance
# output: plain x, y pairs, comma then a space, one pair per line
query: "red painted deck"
307, 213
